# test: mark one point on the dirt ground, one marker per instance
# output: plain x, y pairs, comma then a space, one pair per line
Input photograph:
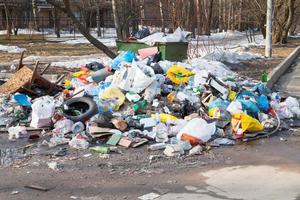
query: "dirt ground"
132, 173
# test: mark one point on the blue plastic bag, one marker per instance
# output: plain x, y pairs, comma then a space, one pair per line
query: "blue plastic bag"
263, 103
22, 100
126, 56
219, 103
249, 104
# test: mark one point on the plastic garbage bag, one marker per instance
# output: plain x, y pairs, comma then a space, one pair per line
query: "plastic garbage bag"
142, 33
217, 109
42, 111
178, 74
293, 105
16, 132
79, 142
263, 103
22, 99
177, 36
63, 126
132, 79
235, 107
152, 39
197, 131
114, 93
219, 103
154, 88
126, 56
246, 123
161, 131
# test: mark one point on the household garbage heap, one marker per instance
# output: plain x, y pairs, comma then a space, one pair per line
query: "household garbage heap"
171, 106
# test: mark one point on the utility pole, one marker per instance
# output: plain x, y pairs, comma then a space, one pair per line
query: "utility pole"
268, 48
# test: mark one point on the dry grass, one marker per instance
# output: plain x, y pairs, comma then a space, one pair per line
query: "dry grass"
49, 49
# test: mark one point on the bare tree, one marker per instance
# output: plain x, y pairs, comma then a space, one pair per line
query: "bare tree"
283, 18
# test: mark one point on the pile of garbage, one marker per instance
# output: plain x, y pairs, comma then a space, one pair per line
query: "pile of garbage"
138, 100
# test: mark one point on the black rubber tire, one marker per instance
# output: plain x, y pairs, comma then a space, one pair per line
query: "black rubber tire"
87, 103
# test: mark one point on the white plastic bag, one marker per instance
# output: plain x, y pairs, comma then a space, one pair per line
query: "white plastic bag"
198, 128
42, 111
235, 107
79, 142
293, 106
132, 79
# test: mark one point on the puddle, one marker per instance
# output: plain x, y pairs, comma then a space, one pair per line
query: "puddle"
10, 156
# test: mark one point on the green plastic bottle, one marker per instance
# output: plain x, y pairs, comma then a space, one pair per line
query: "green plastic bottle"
264, 77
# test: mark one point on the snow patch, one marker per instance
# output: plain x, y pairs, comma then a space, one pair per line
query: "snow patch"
217, 68
11, 49
110, 42
231, 56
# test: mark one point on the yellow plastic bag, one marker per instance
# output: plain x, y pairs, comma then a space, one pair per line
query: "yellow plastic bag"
79, 73
114, 93
247, 123
178, 74
164, 117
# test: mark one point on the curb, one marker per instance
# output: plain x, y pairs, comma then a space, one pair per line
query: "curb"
276, 73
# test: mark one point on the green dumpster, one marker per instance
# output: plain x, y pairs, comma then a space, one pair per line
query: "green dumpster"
173, 51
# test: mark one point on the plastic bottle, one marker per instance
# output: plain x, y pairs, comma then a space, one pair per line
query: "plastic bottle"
99, 149
264, 77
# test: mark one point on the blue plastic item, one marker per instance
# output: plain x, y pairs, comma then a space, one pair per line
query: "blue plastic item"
250, 103
261, 88
126, 56
263, 103
22, 100
219, 103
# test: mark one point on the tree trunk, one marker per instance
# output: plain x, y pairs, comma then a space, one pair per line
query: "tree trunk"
8, 19
98, 22
35, 15
229, 15
56, 19
162, 17
220, 16
116, 20
240, 15
199, 16
224, 15
142, 4
284, 13
66, 9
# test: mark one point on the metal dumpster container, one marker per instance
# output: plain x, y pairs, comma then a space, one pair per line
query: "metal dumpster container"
173, 51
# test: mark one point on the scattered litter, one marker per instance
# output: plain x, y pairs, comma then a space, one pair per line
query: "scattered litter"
15, 192
149, 196
37, 187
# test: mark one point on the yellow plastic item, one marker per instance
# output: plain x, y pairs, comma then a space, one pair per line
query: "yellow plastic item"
164, 117
178, 74
248, 124
171, 97
232, 95
214, 113
114, 93
80, 73
67, 83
